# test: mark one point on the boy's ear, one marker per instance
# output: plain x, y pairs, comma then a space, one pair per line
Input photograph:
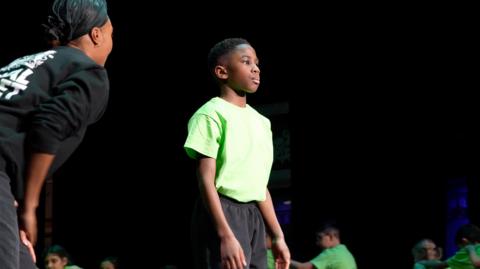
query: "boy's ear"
64, 261
221, 72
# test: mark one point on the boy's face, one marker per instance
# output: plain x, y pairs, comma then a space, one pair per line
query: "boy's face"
242, 71
107, 265
53, 261
325, 240
430, 250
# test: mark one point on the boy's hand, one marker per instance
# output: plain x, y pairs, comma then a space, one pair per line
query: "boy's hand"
232, 254
281, 253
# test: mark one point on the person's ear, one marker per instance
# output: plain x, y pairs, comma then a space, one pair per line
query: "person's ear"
96, 36
220, 72
64, 261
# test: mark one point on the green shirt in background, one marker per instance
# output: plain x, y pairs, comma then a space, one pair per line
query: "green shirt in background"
270, 259
461, 259
240, 139
338, 257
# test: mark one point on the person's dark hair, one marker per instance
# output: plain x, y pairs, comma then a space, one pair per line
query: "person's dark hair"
470, 232
60, 252
330, 228
71, 19
113, 260
222, 48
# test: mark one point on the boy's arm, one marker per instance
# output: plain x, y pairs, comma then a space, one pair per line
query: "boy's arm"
279, 246
300, 265
473, 255
433, 263
231, 250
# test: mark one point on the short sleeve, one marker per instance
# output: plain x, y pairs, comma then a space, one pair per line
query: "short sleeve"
321, 261
204, 136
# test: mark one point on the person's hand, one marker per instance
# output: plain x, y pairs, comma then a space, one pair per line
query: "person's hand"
470, 247
26, 242
232, 254
29, 225
24, 239
281, 253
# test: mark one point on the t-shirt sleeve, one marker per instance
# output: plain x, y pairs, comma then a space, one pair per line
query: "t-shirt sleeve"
77, 102
321, 261
204, 135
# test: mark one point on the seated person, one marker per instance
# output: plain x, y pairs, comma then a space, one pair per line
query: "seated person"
335, 255
57, 257
425, 250
467, 257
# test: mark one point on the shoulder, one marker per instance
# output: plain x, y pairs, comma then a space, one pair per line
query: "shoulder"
69, 61
209, 107
418, 266
212, 109
75, 56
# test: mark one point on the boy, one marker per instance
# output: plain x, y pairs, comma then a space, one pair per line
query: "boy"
467, 257
232, 144
334, 255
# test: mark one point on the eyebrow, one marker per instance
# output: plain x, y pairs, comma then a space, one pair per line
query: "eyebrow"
247, 56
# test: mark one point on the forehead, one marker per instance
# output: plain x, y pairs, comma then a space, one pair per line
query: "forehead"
428, 244
243, 50
52, 257
321, 234
106, 265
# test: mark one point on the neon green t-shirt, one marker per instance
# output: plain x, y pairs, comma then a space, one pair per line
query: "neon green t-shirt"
240, 139
461, 259
337, 257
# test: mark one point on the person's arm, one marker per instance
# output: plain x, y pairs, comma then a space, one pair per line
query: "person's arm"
25, 241
473, 255
301, 265
231, 251
433, 264
37, 171
279, 246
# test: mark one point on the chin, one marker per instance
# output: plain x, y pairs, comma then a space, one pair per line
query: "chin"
252, 90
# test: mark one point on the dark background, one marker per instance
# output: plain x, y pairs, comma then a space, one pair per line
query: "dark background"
383, 112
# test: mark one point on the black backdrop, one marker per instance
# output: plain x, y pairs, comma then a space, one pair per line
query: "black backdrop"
382, 112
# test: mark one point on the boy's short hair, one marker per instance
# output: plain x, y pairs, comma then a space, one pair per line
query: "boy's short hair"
113, 260
470, 232
330, 228
222, 48
58, 251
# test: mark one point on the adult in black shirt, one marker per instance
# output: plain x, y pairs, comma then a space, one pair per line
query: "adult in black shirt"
47, 100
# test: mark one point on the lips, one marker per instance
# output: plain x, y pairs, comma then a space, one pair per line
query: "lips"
256, 80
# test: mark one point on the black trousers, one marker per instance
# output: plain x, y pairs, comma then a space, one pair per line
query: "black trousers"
247, 224
13, 255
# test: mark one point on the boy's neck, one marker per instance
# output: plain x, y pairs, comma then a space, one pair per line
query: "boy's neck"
236, 98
